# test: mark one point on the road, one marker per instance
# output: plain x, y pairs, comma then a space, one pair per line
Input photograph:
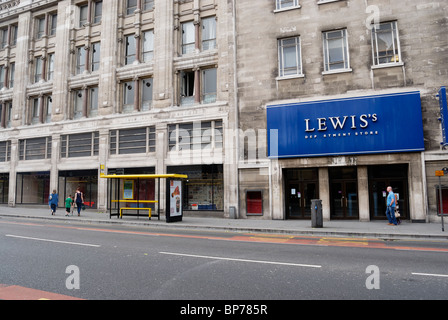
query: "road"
63, 260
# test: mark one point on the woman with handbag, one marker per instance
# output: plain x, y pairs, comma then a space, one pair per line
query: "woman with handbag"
79, 200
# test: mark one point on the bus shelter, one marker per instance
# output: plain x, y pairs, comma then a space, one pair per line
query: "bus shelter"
125, 196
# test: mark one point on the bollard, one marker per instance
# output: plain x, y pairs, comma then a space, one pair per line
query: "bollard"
316, 214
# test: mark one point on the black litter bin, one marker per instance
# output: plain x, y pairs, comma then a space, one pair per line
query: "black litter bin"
316, 214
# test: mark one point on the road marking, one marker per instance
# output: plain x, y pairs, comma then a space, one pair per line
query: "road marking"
243, 260
431, 274
56, 241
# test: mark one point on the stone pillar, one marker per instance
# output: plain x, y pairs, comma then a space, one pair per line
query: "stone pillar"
363, 194
110, 43
102, 183
324, 192
13, 172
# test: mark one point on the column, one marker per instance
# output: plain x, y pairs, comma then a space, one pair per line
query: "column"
324, 192
363, 194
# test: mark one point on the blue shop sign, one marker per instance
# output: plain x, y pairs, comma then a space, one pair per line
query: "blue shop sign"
361, 125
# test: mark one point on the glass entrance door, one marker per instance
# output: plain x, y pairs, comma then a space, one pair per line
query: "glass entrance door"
299, 195
343, 193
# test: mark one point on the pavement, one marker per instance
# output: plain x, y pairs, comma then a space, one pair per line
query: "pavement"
333, 228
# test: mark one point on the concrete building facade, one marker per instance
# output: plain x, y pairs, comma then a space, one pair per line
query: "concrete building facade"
195, 87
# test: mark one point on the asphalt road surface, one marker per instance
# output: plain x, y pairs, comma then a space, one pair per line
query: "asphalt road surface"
65, 260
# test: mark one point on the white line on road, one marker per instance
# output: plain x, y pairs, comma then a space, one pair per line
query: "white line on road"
243, 260
56, 241
431, 274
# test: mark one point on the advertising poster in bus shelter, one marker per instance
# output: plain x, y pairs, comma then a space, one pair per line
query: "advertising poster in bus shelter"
175, 201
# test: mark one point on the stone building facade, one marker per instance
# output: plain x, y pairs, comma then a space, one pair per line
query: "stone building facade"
136, 85
316, 58
195, 87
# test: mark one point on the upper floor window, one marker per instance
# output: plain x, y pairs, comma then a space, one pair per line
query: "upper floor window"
91, 12
286, 4
336, 54
131, 6
40, 27
80, 145
50, 66
148, 4
188, 37
53, 24
148, 45
35, 148
5, 150
209, 33
95, 56
385, 44
290, 57
131, 141
130, 50
80, 60
198, 86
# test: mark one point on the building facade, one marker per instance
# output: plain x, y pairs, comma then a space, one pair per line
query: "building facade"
136, 85
265, 105
347, 93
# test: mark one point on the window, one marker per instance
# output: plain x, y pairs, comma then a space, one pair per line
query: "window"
4, 37
78, 104
131, 6
37, 69
83, 15
12, 72
206, 82
187, 96
50, 66
97, 11
128, 96
80, 145
40, 27
208, 33
95, 56
35, 149
2, 76
53, 24
148, 46
335, 45
135, 140
5, 151
130, 54
188, 37
195, 136
148, 4
146, 94
13, 35
385, 44
80, 60
285, 4
91, 12
290, 57
48, 108
35, 111
209, 85
93, 102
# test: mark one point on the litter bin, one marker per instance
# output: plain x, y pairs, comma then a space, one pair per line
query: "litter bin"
316, 214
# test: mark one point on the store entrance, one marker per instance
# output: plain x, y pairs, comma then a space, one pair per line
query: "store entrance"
380, 177
301, 187
343, 193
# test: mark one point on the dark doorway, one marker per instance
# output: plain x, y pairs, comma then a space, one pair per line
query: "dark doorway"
380, 177
301, 186
343, 193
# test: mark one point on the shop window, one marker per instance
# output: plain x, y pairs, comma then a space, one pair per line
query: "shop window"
130, 141
80, 145
444, 200
204, 188
254, 203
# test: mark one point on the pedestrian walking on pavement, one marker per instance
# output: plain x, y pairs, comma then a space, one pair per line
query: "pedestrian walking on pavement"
68, 205
79, 200
390, 211
53, 201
